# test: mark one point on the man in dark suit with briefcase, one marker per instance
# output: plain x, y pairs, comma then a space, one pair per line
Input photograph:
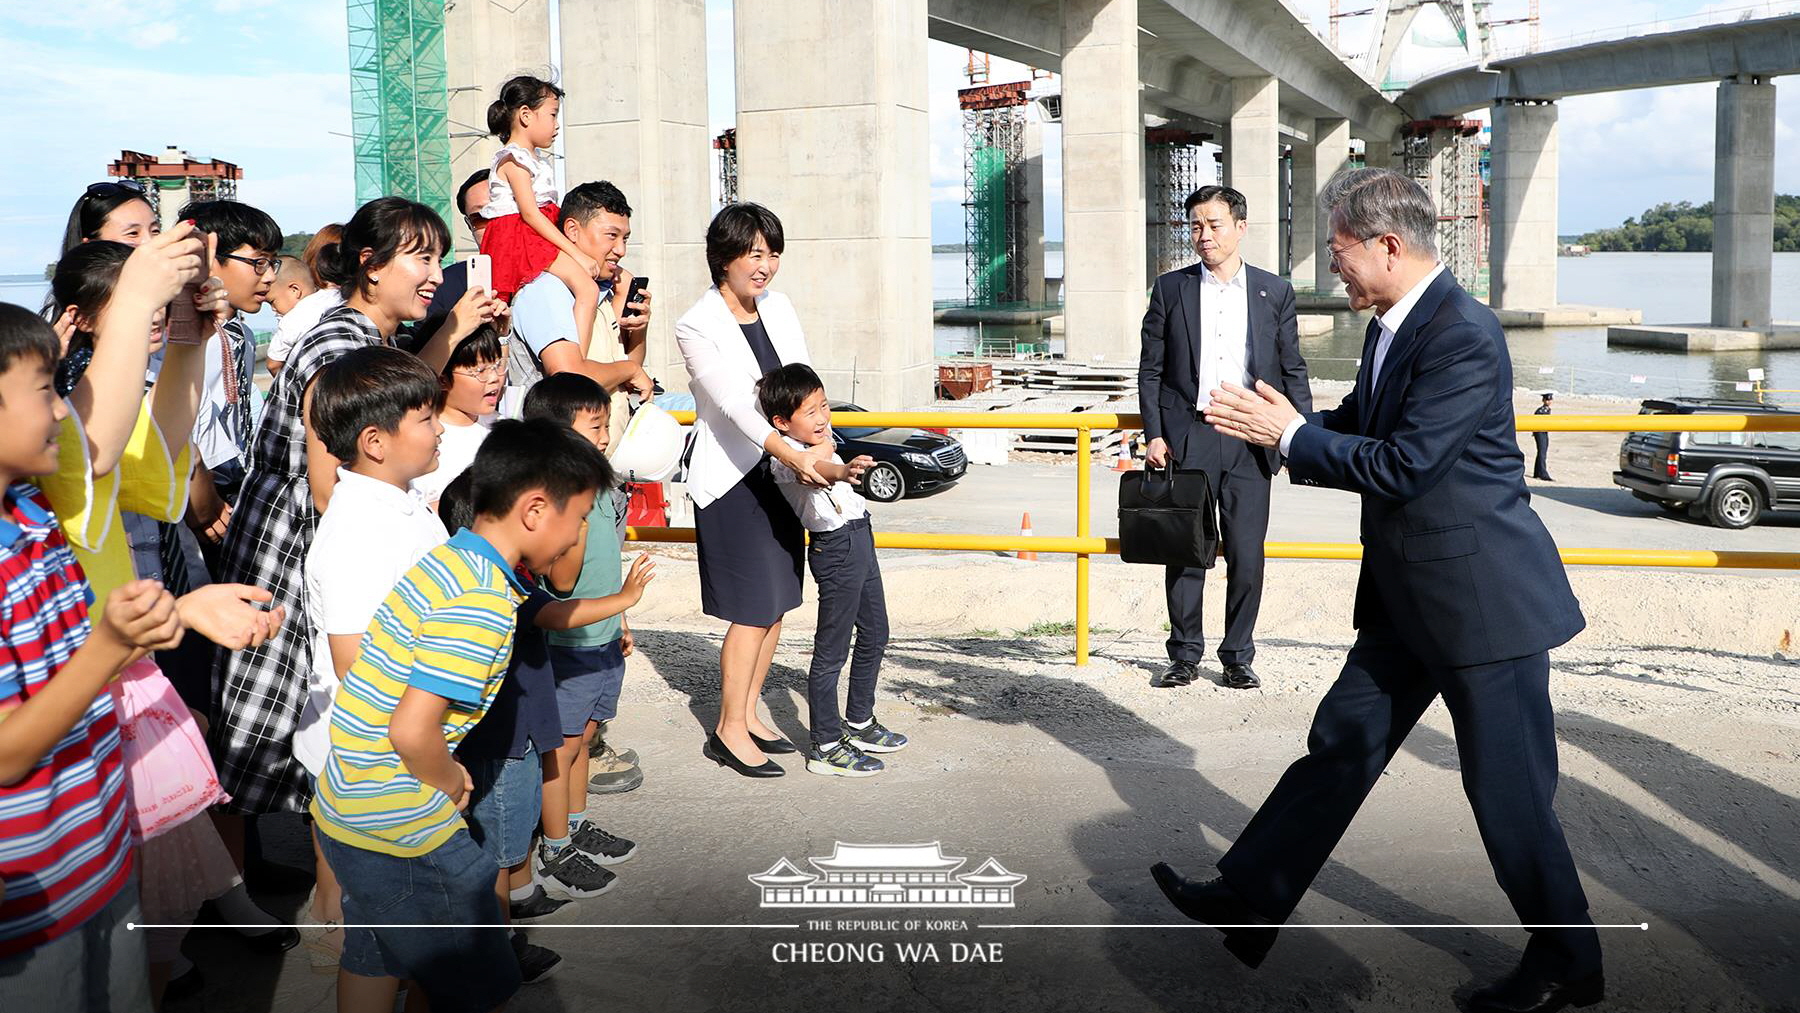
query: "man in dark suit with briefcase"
1217, 321
1461, 595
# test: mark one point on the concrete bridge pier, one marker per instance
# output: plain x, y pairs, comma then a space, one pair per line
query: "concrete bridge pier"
638, 118
835, 140
1743, 202
1104, 258
1522, 205
1253, 165
1314, 164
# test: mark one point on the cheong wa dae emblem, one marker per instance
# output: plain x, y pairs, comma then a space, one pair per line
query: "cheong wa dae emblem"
887, 875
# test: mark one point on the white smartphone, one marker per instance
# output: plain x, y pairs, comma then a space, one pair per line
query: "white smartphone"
481, 272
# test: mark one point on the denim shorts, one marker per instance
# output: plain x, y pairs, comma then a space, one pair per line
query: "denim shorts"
453, 944
505, 805
587, 684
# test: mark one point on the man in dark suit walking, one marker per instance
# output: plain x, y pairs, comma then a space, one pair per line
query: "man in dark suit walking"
1219, 321
1461, 594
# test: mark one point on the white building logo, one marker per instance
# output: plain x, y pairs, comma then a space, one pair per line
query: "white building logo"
887, 875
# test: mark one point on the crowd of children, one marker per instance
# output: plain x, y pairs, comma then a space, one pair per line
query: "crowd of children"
388, 593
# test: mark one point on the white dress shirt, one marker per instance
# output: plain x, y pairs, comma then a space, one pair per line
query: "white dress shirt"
1224, 333
1390, 323
819, 510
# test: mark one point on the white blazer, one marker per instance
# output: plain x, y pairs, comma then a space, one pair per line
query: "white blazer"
729, 428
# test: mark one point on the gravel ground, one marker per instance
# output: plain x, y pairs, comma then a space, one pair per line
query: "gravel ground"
1680, 727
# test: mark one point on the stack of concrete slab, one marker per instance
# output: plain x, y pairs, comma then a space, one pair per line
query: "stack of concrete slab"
1065, 377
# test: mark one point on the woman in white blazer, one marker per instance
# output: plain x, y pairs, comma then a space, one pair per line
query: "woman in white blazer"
752, 547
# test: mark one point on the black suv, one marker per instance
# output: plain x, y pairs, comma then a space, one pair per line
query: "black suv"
1728, 479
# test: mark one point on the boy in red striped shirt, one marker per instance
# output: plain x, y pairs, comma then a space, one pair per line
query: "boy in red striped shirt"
66, 885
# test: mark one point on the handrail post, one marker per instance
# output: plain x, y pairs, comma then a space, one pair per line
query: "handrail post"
1083, 482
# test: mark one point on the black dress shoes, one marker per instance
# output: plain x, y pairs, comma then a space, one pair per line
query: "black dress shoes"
1214, 902
773, 746
1179, 673
1525, 991
1241, 677
721, 754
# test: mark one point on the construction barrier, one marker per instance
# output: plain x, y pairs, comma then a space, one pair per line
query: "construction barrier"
1083, 545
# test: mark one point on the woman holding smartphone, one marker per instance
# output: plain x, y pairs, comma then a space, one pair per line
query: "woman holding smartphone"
752, 547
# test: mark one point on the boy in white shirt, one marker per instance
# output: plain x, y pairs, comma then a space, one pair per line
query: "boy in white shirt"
841, 555
375, 409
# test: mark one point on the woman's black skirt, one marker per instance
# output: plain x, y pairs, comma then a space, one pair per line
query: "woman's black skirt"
752, 553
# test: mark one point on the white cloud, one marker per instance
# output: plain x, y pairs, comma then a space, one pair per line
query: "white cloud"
155, 34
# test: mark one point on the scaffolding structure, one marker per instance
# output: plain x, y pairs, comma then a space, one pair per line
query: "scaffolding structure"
400, 102
997, 261
1445, 157
1172, 164
173, 178
726, 145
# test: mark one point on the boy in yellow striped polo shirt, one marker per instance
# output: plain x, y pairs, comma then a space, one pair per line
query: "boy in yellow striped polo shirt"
390, 800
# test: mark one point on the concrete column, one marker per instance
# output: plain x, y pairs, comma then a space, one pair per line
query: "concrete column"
1743, 203
1253, 165
1378, 154
1034, 208
635, 71
1104, 261
1329, 153
484, 44
1522, 206
833, 137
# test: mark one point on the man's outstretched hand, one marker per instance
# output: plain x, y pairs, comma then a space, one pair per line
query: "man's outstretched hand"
1258, 416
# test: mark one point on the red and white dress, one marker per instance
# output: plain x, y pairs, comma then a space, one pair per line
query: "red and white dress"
518, 253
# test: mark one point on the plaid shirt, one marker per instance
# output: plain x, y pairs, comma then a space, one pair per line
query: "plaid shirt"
63, 849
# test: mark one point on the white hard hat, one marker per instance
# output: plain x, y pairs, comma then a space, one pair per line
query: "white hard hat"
650, 448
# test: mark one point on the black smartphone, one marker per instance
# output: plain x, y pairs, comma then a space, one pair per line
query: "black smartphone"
638, 284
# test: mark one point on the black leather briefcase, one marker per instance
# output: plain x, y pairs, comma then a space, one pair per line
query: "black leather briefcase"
1166, 516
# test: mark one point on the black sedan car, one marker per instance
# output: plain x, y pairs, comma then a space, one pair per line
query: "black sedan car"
906, 460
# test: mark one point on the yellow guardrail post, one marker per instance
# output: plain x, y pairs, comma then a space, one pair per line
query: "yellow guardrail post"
1083, 482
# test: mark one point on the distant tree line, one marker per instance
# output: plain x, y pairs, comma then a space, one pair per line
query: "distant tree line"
1683, 226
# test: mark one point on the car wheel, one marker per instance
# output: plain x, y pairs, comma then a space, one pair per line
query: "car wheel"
1734, 503
883, 483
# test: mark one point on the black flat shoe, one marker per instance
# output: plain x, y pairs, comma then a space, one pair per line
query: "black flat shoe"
716, 751
1523, 991
773, 746
1238, 676
1214, 902
278, 940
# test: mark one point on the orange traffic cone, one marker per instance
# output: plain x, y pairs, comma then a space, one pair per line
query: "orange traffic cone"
1123, 462
1025, 531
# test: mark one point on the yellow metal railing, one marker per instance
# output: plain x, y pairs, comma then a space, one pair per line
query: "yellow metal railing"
1084, 546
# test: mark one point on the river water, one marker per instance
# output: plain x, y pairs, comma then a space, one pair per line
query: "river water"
1670, 288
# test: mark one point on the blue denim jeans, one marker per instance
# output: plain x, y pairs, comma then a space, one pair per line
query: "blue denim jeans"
505, 805
434, 919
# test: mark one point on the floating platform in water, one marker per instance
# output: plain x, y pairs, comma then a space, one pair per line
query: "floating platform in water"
1706, 337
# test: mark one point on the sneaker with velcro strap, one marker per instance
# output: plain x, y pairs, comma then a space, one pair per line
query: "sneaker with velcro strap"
535, 962
571, 872
602, 847
842, 759
875, 737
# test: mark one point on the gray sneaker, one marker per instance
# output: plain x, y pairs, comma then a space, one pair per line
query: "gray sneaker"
842, 759
613, 772
876, 738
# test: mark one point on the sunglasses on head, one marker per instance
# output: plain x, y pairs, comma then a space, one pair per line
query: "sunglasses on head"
113, 188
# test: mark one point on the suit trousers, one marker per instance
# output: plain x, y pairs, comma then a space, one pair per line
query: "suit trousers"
1506, 745
1240, 484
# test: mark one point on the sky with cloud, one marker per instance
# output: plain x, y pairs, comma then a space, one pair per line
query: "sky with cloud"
264, 83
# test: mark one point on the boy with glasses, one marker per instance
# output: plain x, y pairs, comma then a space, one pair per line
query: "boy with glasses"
247, 261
